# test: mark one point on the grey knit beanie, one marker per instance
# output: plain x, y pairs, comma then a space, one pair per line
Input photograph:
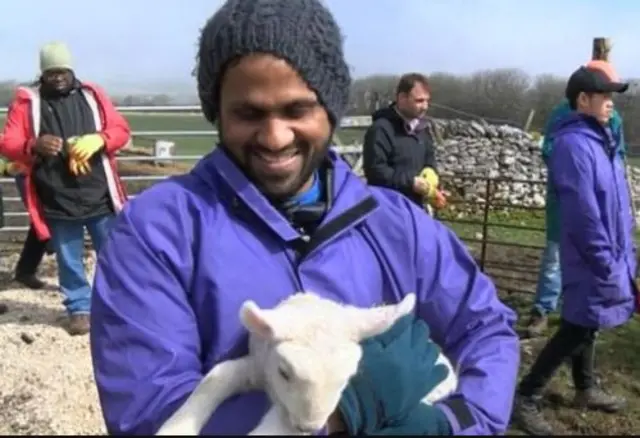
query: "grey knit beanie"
302, 32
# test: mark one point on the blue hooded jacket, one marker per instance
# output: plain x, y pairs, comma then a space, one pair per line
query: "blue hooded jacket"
597, 250
559, 112
185, 254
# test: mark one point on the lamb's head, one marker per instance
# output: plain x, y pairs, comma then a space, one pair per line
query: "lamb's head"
313, 350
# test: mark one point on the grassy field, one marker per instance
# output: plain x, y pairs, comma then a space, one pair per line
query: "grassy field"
514, 227
192, 145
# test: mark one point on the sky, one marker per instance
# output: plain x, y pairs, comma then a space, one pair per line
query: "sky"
151, 43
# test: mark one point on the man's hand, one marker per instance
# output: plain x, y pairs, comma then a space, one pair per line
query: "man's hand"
14, 168
420, 186
48, 145
335, 424
439, 200
424, 419
372, 398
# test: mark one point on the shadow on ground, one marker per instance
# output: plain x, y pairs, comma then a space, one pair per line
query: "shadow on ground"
29, 311
7, 283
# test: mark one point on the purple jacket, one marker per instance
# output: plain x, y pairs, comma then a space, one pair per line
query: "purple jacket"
183, 256
597, 251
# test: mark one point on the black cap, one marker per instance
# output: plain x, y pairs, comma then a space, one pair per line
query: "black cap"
595, 77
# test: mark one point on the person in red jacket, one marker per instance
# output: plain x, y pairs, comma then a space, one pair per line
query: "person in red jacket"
33, 249
66, 133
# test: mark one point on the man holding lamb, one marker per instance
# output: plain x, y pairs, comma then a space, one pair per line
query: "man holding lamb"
273, 211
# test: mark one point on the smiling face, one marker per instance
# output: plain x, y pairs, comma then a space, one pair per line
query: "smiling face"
273, 124
59, 80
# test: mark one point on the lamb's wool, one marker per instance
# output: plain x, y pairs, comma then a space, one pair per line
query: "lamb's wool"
302, 353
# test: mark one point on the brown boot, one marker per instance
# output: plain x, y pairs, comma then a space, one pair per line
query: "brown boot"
537, 324
528, 416
78, 324
596, 399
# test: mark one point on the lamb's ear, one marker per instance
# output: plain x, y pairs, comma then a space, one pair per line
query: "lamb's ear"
372, 322
257, 320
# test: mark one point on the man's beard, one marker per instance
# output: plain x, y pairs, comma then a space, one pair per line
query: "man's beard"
279, 188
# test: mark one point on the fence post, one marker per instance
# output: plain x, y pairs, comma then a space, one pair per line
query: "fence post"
529, 121
485, 224
600, 49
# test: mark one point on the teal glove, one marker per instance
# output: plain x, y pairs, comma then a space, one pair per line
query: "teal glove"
397, 370
422, 420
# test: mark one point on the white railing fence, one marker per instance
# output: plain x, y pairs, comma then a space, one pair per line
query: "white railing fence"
352, 152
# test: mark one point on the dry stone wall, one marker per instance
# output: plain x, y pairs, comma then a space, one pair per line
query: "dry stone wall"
469, 152
480, 150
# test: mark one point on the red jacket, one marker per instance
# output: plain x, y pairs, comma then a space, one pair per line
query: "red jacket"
20, 134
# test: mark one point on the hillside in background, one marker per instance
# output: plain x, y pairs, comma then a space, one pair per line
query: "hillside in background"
502, 96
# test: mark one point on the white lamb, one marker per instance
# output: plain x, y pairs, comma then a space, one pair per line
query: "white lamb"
302, 353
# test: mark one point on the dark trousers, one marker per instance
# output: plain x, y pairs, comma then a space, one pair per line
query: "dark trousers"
33, 249
569, 342
31, 255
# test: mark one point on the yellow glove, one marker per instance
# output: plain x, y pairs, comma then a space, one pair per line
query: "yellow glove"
431, 177
83, 148
14, 168
78, 167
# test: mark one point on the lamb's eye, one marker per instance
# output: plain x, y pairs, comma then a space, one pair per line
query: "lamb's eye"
284, 374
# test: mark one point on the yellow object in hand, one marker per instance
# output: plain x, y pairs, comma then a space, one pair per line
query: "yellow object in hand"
84, 147
14, 168
78, 167
431, 177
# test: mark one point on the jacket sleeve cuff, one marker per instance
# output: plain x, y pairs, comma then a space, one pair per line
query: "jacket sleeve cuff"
458, 414
28, 147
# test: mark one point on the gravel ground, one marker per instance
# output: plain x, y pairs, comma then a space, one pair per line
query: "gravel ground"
47, 385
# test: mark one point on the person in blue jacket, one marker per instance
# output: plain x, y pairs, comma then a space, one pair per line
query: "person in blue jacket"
274, 210
597, 250
549, 288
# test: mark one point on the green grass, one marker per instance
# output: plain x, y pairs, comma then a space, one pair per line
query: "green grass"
190, 145
524, 227
511, 253
518, 227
